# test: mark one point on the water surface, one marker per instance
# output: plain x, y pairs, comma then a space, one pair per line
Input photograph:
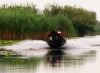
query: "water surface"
81, 55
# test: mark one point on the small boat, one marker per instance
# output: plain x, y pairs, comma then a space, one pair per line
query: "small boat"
55, 40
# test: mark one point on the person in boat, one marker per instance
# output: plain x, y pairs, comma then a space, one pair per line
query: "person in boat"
54, 35
55, 39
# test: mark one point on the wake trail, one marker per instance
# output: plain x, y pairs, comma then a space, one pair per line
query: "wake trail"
39, 48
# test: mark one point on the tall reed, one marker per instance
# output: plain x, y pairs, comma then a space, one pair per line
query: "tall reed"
20, 20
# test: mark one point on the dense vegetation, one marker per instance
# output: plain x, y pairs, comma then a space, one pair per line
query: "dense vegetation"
21, 22
83, 20
97, 28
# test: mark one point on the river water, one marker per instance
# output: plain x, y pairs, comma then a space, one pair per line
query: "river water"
80, 55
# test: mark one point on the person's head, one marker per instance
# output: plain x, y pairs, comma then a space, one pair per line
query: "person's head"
59, 32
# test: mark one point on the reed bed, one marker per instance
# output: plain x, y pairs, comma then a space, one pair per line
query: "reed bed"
17, 21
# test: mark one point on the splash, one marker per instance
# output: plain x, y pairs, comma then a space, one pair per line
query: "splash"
28, 48
38, 47
80, 45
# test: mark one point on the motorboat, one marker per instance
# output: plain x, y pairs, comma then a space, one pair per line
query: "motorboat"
55, 40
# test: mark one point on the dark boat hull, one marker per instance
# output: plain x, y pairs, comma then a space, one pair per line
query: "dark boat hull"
56, 43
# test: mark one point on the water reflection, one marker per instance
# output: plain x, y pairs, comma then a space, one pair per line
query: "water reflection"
18, 65
54, 57
80, 59
56, 61
57, 58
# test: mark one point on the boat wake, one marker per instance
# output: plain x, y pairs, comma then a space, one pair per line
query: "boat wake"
39, 48
28, 48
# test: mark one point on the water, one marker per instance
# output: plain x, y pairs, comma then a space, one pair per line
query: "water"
81, 55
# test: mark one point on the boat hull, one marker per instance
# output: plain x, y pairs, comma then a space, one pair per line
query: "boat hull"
56, 43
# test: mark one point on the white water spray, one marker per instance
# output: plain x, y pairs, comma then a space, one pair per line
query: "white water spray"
38, 47
28, 48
